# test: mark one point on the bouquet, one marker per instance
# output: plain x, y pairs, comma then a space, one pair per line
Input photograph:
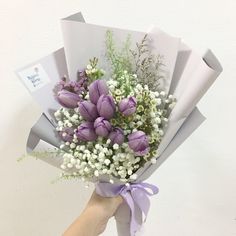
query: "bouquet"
116, 104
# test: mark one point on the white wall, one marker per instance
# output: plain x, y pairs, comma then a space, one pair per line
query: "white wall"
197, 184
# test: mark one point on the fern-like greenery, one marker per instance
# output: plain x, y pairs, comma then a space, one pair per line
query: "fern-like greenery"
148, 66
120, 60
139, 61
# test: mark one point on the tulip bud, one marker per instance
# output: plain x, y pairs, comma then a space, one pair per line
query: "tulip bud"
106, 106
88, 110
117, 136
96, 89
102, 127
86, 132
127, 106
67, 134
68, 99
138, 142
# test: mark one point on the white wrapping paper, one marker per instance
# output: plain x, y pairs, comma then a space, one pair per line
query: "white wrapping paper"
188, 77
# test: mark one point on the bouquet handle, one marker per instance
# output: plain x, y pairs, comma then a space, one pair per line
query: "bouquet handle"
122, 217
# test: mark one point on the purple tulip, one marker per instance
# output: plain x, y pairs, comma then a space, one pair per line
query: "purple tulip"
106, 106
68, 99
138, 142
117, 136
127, 106
102, 127
96, 89
67, 134
86, 132
88, 110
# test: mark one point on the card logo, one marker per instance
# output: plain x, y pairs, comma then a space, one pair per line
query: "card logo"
34, 77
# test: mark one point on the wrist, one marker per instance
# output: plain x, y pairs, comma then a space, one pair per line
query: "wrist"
96, 219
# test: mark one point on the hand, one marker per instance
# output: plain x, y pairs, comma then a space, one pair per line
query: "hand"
95, 216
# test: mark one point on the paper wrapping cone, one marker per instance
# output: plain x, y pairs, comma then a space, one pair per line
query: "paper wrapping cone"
188, 77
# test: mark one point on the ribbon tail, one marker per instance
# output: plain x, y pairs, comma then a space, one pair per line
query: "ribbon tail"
134, 224
142, 201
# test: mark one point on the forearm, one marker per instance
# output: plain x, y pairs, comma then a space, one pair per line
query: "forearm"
94, 218
87, 224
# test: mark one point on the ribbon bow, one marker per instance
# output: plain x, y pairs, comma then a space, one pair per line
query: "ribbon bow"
136, 196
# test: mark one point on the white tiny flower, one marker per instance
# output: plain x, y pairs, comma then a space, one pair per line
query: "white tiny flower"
98, 166
107, 162
111, 181
153, 161
130, 172
152, 114
89, 67
88, 155
131, 124
115, 146
162, 93
133, 176
123, 180
72, 161
105, 150
165, 119
82, 148
112, 87
158, 100
63, 167
69, 165
139, 123
158, 120
101, 155
60, 123
108, 141
75, 140
152, 95
139, 86
72, 145
96, 173
62, 146
67, 143
155, 126
75, 117
161, 132
86, 151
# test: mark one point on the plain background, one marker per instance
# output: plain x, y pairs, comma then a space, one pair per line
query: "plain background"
197, 183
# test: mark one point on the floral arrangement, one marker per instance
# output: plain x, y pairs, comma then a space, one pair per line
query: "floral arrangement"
112, 122
120, 118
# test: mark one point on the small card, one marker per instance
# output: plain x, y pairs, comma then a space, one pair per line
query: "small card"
34, 77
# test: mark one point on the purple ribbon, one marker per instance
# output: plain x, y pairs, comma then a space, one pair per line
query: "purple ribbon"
136, 196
